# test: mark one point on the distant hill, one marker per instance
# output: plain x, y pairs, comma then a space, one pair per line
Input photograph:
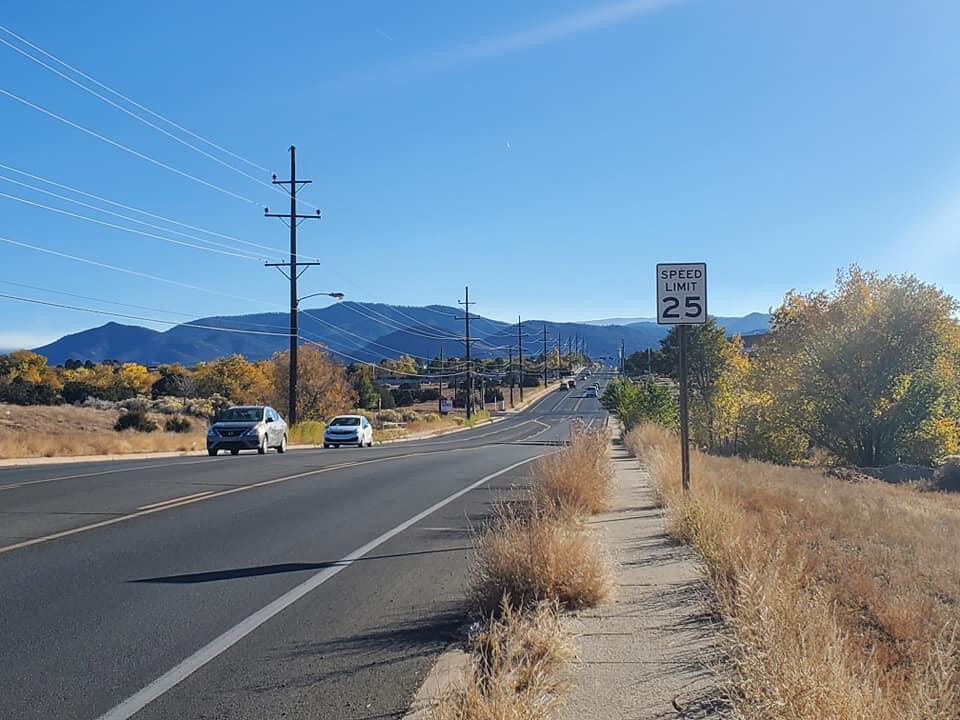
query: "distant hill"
357, 331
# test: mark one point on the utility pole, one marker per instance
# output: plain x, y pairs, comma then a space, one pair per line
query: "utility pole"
292, 273
440, 393
684, 416
545, 356
466, 318
623, 360
520, 350
512, 377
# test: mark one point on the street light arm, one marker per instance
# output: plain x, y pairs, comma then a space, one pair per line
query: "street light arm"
334, 295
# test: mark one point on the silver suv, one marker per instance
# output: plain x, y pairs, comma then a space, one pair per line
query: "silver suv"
247, 427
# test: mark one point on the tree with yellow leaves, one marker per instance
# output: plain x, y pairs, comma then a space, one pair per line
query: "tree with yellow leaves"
867, 371
323, 389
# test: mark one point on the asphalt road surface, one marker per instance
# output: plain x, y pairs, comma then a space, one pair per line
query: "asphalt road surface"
315, 584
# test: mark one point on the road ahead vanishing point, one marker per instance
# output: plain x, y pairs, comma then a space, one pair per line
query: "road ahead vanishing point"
316, 584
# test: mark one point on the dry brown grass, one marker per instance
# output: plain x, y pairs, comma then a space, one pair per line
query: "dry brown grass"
538, 549
577, 480
65, 430
536, 556
514, 669
842, 600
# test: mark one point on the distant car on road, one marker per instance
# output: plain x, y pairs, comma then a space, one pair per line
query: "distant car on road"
247, 427
571, 384
348, 430
591, 392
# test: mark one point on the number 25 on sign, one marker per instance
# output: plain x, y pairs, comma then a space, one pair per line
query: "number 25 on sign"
681, 293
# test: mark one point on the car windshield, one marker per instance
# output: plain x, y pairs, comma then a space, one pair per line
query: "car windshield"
242, 414
348, 421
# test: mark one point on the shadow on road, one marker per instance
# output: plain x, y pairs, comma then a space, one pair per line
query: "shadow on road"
278, 568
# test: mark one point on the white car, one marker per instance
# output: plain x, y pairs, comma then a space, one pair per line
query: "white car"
348, 430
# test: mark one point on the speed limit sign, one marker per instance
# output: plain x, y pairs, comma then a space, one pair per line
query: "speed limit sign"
681, 293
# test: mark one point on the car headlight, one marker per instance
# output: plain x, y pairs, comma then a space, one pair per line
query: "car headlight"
212, 432
255, 430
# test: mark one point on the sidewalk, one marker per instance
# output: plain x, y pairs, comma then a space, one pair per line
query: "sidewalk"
646, 653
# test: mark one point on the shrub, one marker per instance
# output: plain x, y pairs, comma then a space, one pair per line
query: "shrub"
77, 391
168, 405
430, 417
307, 432
389, 416
97, 404
515, 668
409, 415
177, 425
577, 480
537, 557
134, 421
136, 405
947, 474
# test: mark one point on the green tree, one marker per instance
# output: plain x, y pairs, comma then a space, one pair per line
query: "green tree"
867, 371
635, 403
709, 356
361, 379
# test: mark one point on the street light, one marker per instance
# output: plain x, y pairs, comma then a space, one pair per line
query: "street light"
334, 295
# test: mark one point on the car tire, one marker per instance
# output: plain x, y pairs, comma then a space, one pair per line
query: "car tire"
326, 446
282, 447
234, 452
337, 447
262, 449
212, 451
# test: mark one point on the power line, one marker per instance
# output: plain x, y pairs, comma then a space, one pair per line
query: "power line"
131, 101
125, 148
130, 305
131, 208
112, 213
126, 271
138, 317
138, 105
60, 211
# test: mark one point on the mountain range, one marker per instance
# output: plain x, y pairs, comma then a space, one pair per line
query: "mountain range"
360, 331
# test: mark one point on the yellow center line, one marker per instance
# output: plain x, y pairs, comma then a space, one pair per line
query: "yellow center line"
182, 502
190, 499
176, 499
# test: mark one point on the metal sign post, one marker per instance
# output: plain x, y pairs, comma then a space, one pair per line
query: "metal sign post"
682, 301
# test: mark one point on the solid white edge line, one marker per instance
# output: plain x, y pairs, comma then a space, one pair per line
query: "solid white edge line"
231, 637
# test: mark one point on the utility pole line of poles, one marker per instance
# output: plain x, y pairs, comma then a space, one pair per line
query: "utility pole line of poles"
466, 318
520, 351
545, 356
513, 377
440, 383
292, 273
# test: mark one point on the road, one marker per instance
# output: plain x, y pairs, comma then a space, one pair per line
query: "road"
315, 584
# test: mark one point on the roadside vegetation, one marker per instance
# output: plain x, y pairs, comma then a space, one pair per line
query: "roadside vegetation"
866, 374
842, 600
535, 559
65, 430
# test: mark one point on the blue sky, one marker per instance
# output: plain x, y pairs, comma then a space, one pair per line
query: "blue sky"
548, 154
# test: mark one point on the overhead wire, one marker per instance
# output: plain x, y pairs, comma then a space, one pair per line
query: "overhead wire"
131, 100
273, 187
131, 208
125, 148
232, 253
113, 213
139, 317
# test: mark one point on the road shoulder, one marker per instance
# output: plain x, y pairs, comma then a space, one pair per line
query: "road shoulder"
648, 652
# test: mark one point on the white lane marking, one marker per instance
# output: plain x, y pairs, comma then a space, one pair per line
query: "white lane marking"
231, 637
538, 434
176, 499
476, 437
576, 407
101, 472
